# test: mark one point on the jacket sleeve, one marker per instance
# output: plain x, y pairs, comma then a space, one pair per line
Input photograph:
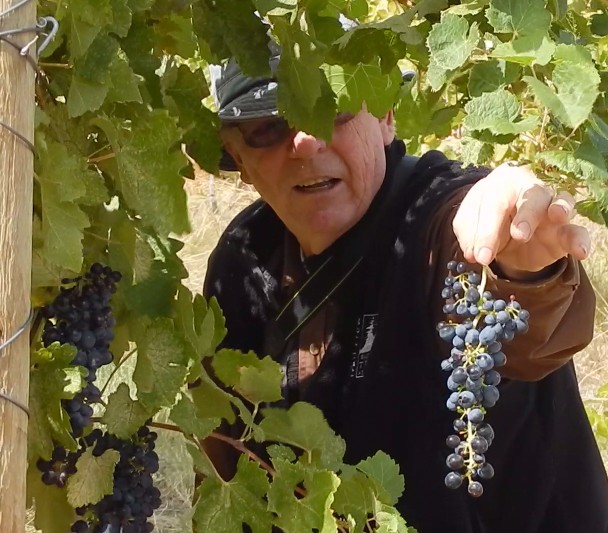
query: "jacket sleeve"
562, 306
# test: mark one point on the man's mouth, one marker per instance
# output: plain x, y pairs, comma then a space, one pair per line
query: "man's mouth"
317, 185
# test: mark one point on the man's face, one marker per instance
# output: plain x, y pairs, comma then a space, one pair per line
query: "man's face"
319, 191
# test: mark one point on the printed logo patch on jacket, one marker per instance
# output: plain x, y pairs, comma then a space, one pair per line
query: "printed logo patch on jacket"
366, 333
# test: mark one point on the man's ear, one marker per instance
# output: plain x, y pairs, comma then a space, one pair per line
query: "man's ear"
387, 126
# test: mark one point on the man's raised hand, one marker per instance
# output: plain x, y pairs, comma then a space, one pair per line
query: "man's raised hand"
512, 217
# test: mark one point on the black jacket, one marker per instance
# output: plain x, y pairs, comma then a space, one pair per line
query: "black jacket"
549, 474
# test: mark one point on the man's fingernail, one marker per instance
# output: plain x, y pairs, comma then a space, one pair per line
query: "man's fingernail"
484, 256
524, 228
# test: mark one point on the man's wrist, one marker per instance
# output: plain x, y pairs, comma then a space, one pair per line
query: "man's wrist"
514, 274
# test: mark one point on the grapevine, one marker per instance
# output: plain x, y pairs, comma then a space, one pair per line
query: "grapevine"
476, 353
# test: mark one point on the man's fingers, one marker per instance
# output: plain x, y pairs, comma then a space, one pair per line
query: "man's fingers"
575, 240
561, 210
532, 207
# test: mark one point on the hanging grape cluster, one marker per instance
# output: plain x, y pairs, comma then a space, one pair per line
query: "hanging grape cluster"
134, 497
81, 316
476, 352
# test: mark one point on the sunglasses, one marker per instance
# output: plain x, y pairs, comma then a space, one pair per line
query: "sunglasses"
276, 130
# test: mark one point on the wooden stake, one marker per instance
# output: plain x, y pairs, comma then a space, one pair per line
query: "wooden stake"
16, 182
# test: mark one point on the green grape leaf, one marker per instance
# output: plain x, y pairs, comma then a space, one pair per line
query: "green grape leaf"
94, 66
211, 401
153, 296
412, 115
390, 521
53, 512
475, 151
492, 75
124, 416
122, 18
257, 380
364, 84
385, 471
275, 7
85, 96
176, 35
301, 514
451, 41
128, 251
533, 49
93, 12
298, 70
280, 451
519, 18
497, 112
232, 29
599, 24
82, 35
303, 426
467, 8
94, 477
587, 163
355, 497
52, 379
162, 363
576, 81
149, 169
125, 83
224, 507
186, 415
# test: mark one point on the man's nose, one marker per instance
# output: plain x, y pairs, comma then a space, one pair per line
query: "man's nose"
305, 145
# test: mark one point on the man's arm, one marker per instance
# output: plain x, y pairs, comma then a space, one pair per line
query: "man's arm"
561, 302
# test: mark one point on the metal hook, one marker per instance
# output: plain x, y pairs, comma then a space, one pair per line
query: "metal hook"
42, 23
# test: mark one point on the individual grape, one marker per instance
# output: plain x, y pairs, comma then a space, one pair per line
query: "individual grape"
461, 268
492, 378
453, 441
475, 489
475, 416
466, 399
486, 471
472, 337
459, 375
487, 336
447, 333
479, 444
500, 359
80, 526
491, 393
453, 480
474, 278
455, 461
460, 425
474, 372
485, 362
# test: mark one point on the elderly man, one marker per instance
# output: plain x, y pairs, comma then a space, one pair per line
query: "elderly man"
337, 273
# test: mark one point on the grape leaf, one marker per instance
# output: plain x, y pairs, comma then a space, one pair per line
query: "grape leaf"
149, 167
475, 151
82, 35
497, 112
121, 18
519, 18
491, 76
152, 296
257, 380
280, 451
85, 96
94, 477
304, 426
301, 514
390, 521
186, 415
93, 12
124, 416
223, 507
412, 115
364, 84
382, 469
533, 49
213, 402
576, 81
95, 64
275, 7
52, 379
298, 70
451, 41
53, 512
162, 363
355, 496
467, 8
125, 84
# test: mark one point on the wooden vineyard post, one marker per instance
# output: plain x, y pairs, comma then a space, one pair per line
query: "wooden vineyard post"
16, 183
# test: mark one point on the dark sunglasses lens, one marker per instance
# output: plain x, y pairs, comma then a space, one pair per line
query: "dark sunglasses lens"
268, 134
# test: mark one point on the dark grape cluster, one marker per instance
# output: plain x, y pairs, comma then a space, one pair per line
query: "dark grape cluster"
134, 497
81, 316
60, 467
476, 353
